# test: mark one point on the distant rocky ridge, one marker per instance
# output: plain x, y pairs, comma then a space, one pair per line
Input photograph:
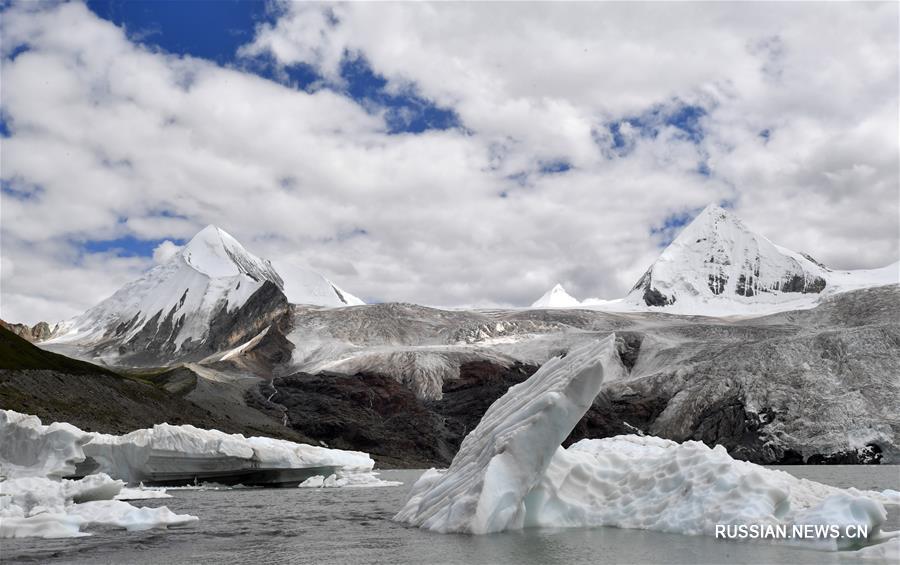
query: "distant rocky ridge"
808, 386
813, 382
41, 331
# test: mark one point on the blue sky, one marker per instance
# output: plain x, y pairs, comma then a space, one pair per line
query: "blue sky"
444, 156
216, 30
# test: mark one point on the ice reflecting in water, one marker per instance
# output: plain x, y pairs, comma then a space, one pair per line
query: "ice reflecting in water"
354, 526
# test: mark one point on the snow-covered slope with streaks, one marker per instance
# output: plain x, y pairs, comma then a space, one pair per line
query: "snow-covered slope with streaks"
176, 302
717, 264
208, 295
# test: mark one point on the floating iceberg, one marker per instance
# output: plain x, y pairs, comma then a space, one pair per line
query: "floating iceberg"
349, 479
142, 493
47, 508
171, 455
688, 488
511, 473
175, 455
506, 455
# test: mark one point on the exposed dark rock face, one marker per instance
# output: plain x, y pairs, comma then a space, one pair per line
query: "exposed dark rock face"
377, 414
267, 306
615, 412
726, 422
628, 345
801, 284
716, 284
371, 413
651, 296
466, 399
868, 455
155, 343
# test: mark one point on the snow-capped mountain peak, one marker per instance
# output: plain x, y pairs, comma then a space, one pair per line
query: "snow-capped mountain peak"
556, 297
209, 293
716, 255
215, 253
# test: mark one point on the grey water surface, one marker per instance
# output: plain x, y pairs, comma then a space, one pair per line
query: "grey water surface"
353, 525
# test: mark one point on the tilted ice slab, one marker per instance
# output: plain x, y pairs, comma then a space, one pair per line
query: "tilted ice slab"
42, 507
505, 456
512, 473
30, 449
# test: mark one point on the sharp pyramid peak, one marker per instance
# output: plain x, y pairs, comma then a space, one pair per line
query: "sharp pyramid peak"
216, 253
556, 297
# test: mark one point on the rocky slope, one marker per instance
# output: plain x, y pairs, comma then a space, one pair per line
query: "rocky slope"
57, 388
815, 385
41, 331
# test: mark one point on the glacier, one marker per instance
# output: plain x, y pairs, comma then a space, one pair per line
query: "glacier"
511, 473
29, 448
47, 508
173, 455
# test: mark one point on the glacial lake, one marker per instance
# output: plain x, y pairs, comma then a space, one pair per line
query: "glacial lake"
354, 526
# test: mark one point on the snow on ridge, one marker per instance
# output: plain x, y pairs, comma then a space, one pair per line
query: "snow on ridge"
216, 253
717, 266
556, 297
716, 254
182, 296
305, 286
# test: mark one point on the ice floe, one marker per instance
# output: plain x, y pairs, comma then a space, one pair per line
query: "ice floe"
349, 479
511, 473
48, 508
36, 500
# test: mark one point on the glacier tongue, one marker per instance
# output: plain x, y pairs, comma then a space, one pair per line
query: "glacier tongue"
506, 455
